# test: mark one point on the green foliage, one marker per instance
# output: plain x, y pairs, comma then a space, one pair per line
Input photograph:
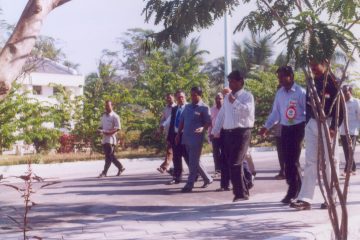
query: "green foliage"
45, 47
10, 107
263, 85
159, 79
180, 18
36, 120
100, 87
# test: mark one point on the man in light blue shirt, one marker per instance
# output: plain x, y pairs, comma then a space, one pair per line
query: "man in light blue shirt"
289, 109
353, 119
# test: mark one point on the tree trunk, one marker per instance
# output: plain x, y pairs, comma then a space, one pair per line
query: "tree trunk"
18, 47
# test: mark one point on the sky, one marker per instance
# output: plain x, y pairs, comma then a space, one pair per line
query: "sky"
83, 28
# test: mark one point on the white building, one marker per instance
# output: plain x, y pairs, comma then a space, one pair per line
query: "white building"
39, 83
47, 73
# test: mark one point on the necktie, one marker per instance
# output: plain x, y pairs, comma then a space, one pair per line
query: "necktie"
177, 117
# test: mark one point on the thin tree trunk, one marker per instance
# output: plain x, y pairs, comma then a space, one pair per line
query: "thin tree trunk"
18, 47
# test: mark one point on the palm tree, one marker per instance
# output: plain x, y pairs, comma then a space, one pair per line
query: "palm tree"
253, 53
185, 52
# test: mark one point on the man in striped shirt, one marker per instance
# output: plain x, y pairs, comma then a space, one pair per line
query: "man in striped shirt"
236, 118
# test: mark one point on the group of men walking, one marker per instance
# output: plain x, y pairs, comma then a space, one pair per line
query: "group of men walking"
229, 124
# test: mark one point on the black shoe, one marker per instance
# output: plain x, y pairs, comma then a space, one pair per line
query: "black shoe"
250, 185
186, 190
102, 175
286, 200
197, 178
300, 205
172, 182
120, 171
240, 199
222, 189
324, 205
170, 171
280, 176
206, 184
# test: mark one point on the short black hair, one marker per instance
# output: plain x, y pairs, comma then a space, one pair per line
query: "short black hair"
236, 75
179, 91
347, 88
197, 90
169, 94
287, 70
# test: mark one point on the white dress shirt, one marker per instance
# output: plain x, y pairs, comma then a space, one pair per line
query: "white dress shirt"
353, 113
239, 114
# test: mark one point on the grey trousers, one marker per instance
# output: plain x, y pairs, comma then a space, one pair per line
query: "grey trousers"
195, 167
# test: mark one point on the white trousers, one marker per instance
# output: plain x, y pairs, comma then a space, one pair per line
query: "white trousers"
311, 159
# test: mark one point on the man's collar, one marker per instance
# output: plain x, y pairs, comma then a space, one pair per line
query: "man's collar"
182, 105
199, 103
238, 92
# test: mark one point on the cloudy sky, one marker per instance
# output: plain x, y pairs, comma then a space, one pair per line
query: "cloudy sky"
83, 28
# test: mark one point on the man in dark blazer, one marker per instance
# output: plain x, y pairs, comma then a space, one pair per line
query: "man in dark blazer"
179, 150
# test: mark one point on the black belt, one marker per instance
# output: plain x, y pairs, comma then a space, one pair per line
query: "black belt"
295, 125
234, 129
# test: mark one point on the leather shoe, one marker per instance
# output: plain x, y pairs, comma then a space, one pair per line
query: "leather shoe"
300, 205
206, 184
172, 182
102, 175
280, 176
120, 171
324, 205
160, 170
222, 189
240, 199
286, 200
186, 190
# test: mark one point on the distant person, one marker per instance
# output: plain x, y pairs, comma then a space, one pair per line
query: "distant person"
216, 142
236, 118
353, 111
178, 149
323, 82
109, 126
164, 167
194, 122
289, 108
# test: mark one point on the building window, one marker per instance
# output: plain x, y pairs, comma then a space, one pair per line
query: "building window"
37, 90
56, 90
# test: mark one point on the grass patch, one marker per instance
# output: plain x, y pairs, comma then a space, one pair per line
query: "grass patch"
75, 157
7, 160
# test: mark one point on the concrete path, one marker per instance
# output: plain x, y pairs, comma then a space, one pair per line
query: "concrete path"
138, 205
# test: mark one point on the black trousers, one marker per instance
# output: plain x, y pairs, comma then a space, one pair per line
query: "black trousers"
291, 141
345, 146
217, 153
224, 165
179, 152
279, 149
109, 151
236, 144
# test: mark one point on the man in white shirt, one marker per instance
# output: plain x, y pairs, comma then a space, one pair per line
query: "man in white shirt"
236, 118
109, 126
353, 113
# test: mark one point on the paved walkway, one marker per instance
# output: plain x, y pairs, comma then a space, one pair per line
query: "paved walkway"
138, 205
